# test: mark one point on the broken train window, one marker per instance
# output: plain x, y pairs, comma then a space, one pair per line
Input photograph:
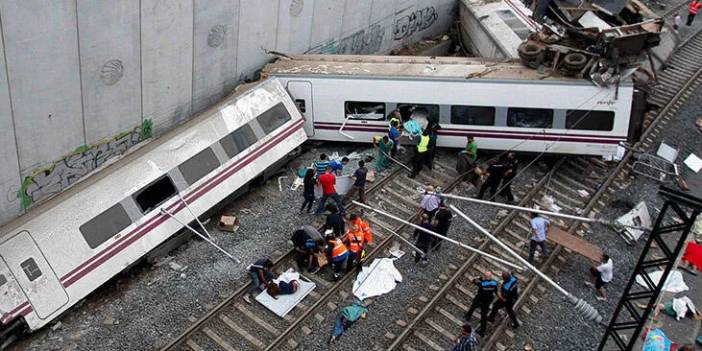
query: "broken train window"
529, 117
273, 118
155, 194
365, 110
590, 120
31, 269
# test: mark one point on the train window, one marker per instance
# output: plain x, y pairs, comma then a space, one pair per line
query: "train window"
199, 166
105, 225
473, 115
430, 112
238, 140
590, 120
31, 269
529, 117
365, 110
155, 194
273, 118
3, 280
300, 105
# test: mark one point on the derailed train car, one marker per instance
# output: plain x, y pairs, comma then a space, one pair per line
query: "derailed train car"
62, 250
502, 104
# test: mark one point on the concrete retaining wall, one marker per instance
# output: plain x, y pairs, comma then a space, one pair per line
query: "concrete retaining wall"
81, 81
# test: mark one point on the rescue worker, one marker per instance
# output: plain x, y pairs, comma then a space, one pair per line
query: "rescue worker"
357, 237
433, 128
506, 297
487, 287
261, 274
443, 222
423, 239
338, 254
385, 146
306, 241
494, 174
420, 153
471, 148
394, 134
692, 11
511, 163
334, 221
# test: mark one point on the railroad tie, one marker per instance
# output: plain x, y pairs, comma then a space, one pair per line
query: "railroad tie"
218, 339
440, 329
193, 345
261, 323
428, 341
448, 315
239, 330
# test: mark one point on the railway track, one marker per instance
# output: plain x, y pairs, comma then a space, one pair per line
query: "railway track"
435, 326
236, 325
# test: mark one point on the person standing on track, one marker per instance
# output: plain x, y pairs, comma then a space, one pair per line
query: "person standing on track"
506, 297
601, 275
335, 221
355, 241
467, 341
443, 222
420, 153
328, 183
308, 192
320, 166
423, 239
692, 11
487, 287
385, 146
338, 252
494, 174
394, 134
511, 163
359, 181
430, 202
539, 231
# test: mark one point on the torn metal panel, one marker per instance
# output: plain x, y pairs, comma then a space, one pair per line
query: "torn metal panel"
638, 217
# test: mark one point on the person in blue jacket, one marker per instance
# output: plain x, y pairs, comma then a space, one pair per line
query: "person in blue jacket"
487, 288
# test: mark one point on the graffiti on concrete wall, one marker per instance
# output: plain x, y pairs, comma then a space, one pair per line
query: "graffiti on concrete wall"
364, 41
59, 175
416, 21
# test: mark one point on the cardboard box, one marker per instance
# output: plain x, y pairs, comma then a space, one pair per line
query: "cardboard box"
228, 223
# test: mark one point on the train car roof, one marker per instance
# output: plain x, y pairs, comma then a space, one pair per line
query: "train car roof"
132, 154
408, 66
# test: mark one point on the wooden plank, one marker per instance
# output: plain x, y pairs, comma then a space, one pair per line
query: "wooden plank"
193, 345
428, 341
440, 329
261, 323
250, 338
575, 243
218, 339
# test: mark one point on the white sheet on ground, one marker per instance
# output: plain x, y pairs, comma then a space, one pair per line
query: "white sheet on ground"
682, 305
674, 283
285, 303
377, 279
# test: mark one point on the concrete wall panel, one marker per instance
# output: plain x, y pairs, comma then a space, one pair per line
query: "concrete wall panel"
215, 45
356, 16
110, 67
294, 25
166, 61
326, 25
9, 163
257, 35
41, 45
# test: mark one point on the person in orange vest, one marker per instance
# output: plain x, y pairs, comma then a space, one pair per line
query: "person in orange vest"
338, 254
358, 235
692, 11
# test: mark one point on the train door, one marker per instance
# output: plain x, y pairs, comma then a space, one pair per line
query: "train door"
34, 275
301, 92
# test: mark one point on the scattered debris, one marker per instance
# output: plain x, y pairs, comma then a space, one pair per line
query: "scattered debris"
694, 163
550, 204
583, 193
280, 183
674, 284
176, 267
56, 326
638, 216
229, 223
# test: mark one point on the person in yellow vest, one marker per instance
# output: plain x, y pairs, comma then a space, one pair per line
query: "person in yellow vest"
358, 235
420, 153
338, 254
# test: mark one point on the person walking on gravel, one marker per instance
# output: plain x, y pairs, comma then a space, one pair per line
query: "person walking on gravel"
467, 341
430, 202
308, 192
539, 230
506, 297
601, 275
487, 287
423, 239
692, 11
443, 222
261, 274
328, 183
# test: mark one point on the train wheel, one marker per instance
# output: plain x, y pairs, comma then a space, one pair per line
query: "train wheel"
575, 61
531, 54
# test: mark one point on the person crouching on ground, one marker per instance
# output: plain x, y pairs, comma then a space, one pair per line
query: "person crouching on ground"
338, 253
261, 274
601, 275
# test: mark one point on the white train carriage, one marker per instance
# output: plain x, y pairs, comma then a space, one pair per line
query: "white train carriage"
64, 249
502, 104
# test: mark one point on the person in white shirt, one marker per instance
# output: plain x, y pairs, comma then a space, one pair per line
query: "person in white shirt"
430, 202
601, 275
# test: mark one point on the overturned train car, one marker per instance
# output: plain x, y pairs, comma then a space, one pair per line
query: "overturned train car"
502, 104
64, 249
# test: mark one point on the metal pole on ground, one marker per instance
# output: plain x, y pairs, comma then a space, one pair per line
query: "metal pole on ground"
588, 312
528, 209
193, 214
164, 211
401, 238
470, 248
